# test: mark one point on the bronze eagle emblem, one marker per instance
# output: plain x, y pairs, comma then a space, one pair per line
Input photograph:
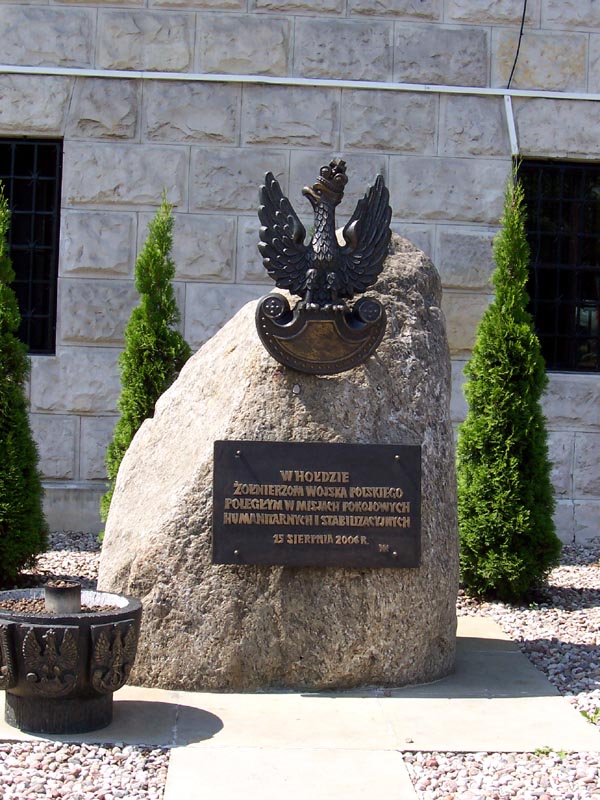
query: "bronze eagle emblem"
322, 335
322, 272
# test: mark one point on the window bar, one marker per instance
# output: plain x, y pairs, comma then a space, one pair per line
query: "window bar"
563, 228
34, 198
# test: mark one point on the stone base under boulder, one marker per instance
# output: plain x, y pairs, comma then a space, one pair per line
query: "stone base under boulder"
219, 627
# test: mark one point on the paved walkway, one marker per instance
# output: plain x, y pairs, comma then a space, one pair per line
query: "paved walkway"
345, 745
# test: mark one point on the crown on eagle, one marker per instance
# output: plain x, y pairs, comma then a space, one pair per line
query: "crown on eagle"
333, 177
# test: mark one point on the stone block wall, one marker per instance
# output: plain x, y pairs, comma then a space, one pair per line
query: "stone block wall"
446, 158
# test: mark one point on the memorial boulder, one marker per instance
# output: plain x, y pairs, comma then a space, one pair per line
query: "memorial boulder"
256, 626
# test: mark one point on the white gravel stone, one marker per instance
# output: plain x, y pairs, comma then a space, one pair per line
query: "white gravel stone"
81, 771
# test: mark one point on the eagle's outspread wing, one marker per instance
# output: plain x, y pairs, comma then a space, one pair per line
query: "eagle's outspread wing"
102, 654
282, 235
68, 651
130, 644
32, 652
367, 237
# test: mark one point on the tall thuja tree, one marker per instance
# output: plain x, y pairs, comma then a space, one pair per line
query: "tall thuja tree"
22, 524
155, 351
505, 498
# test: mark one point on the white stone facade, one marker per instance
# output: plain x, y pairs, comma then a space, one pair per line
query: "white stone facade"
446, 158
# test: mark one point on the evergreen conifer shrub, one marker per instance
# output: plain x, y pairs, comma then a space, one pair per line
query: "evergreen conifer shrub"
505, 498
154, 351
22, 523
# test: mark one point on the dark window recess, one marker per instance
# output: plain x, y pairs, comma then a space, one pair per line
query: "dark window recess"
563, 229
31, 174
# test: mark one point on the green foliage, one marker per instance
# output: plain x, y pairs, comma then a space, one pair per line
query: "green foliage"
155, 351
22, 524
505, 497
547, 751
592, 716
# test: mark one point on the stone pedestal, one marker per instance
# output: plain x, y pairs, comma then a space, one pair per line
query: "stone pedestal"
220, 627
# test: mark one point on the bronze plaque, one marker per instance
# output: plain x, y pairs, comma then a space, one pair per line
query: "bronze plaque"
317, 504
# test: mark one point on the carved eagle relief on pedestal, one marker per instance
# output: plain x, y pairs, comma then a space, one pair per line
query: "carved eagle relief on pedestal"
51, 665
114, 648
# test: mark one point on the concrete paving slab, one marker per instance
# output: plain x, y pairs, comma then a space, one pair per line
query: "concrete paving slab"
495, 700
490, 725
294, 774
483, 633
140, 716
290, 720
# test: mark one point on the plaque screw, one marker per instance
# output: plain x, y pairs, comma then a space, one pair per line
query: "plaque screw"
236, 552
394, 554
396, 458
238, 453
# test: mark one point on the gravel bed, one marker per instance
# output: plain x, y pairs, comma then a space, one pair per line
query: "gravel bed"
71, 555
505, 776
33, 770
559, 632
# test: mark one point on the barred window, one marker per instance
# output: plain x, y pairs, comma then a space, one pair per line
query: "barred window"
563, 230
30, 171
